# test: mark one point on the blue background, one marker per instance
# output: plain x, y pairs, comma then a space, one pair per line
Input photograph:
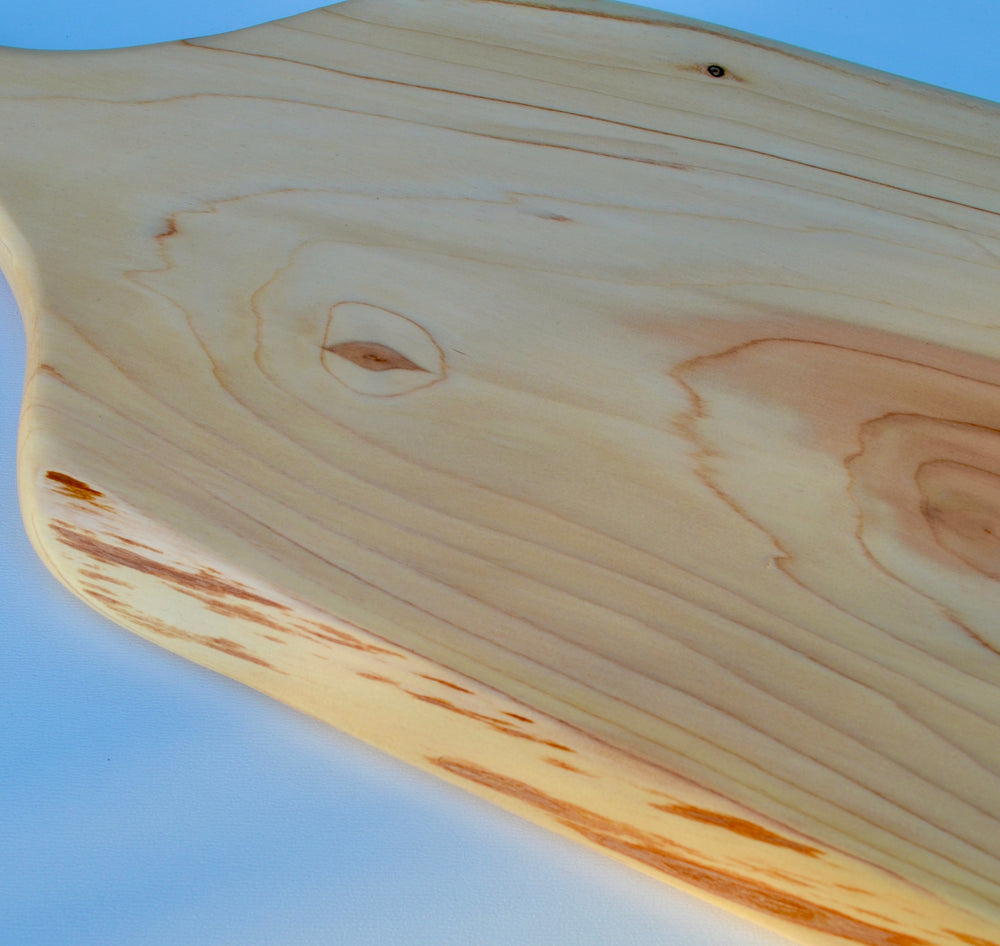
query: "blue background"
145, 800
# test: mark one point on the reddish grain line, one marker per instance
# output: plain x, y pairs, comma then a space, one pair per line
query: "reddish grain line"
652, 851
740, 826
201, 580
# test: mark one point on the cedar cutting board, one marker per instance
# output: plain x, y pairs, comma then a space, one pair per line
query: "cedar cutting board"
593, 407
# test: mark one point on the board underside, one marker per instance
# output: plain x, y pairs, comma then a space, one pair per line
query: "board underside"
592, 407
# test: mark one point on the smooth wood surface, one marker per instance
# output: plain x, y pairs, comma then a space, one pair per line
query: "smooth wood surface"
616, 439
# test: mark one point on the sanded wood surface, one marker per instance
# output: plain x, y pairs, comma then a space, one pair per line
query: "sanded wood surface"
595, 408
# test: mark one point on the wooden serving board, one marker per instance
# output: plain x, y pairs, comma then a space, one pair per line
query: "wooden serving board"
595, 408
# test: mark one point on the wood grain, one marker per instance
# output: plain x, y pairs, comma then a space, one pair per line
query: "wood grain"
615, 436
